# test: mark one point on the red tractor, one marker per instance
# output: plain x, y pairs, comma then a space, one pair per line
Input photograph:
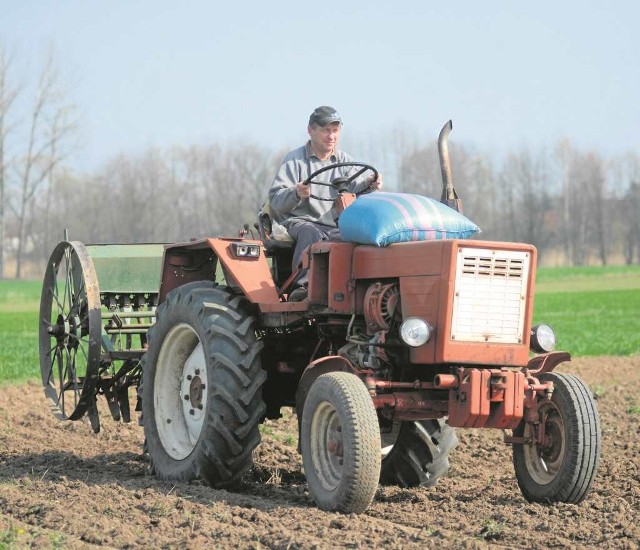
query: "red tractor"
393, 348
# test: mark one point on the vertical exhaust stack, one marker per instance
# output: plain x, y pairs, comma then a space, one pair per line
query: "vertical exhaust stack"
449, 195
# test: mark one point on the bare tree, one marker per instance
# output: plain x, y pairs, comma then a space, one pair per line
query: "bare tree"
49, 124
166, 196
226, 186
7, 97
476, 183
563, 155
251, 172
624, 175
596, 189
473, 177
419, 170
525, 200
132, 200
61, 207
586, 205
384, 150
574, 204
630, 215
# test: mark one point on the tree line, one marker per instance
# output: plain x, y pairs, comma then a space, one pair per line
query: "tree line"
576, 206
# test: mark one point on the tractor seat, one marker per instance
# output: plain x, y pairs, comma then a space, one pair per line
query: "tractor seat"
274, 236
278, 245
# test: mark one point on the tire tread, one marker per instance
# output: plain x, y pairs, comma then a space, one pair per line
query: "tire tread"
582, 423
416, 459
224, 325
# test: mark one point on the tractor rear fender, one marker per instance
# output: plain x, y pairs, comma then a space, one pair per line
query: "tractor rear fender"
216, 259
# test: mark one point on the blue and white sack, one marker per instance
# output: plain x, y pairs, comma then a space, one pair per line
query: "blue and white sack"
384, 218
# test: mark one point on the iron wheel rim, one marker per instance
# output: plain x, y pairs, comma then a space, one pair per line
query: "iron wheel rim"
180, 391
326, 445
70, 331
544, 460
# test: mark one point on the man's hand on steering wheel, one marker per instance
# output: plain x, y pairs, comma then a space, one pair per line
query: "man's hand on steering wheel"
303, 190
375, 180
375, 183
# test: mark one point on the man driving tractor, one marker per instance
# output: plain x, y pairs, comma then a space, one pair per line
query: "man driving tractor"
310, 218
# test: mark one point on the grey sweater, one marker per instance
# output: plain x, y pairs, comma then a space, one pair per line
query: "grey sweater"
286, 208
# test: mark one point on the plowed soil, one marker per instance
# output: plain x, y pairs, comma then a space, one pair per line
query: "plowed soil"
62, 486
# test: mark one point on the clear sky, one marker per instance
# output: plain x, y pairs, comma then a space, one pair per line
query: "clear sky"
509, 73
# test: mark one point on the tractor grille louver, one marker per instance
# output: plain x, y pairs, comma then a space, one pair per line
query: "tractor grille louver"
490, 295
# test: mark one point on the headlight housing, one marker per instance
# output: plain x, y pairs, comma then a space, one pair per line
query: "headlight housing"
543, 339
242, 250
415, 332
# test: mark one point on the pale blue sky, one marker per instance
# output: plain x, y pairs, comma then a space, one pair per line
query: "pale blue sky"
510, 73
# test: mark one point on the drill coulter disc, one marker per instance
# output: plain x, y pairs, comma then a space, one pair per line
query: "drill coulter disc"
70, 332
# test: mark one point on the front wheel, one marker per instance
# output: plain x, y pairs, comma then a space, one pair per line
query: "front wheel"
563, 466
340, 441
202, 386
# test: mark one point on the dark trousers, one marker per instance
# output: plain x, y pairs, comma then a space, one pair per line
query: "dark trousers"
305, 234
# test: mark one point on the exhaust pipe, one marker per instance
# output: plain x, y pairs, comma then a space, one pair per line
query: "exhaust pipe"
449, 195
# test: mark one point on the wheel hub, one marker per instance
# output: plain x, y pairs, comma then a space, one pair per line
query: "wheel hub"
334, 446
326, 445
552, 445
60, 329
193, 389
544, 458
65, 330
195, 392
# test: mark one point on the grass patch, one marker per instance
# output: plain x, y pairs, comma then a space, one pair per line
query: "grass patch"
586, 279
492, 530
19, 313
593, 310
598, 391
16, 296
592, 323
9, 537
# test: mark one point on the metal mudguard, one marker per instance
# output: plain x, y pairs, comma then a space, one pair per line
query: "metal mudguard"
213, 259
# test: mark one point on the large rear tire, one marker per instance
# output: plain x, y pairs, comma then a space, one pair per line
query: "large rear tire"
340, 440
416, 454
202, 380
564, 467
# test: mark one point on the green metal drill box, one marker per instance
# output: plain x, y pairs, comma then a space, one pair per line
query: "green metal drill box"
127, 268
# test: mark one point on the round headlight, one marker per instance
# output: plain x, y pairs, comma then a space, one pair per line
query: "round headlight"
543, 339
415, 332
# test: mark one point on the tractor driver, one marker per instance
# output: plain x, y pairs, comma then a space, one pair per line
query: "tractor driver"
307, 219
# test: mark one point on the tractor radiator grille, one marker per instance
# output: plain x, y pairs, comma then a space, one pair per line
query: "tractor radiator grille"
490, 293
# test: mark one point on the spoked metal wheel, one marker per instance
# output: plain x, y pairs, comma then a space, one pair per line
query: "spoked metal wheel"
558, 463
70, 331
340, 440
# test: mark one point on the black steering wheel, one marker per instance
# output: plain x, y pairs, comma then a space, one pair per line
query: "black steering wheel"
342, 183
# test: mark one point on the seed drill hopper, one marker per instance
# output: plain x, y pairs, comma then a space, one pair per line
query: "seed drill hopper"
97, 304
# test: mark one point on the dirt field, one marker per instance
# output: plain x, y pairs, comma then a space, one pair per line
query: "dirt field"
61, 486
